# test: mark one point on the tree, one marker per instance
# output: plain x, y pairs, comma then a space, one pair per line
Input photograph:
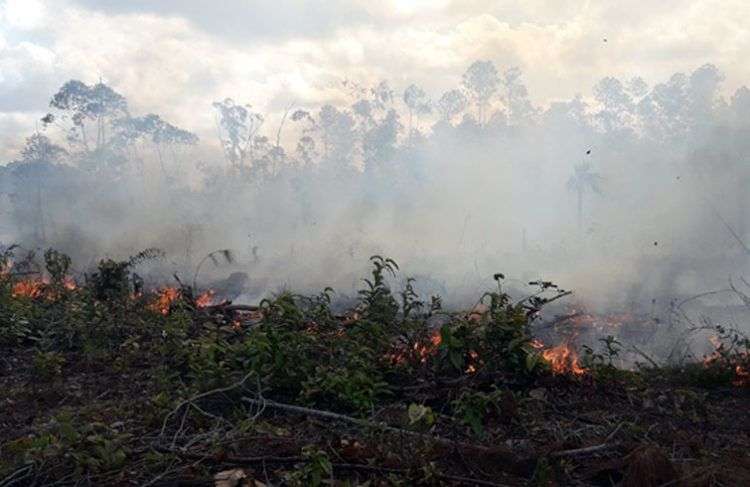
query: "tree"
451, 104
481, 82
616, 105
338, 136
703, 93
38, 167
582, 181
85, 106
418, 103
237, 126
516, 96
40, 149
379, 143
637, 87
154, 129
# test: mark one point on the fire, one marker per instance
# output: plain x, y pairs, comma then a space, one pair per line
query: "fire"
164, 300
473, 357
40, 286
420, 350
742, 376
205, 299
31, 288
428, 349
718, 356
563, 359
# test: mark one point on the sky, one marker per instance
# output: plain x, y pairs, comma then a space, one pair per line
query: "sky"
175, 57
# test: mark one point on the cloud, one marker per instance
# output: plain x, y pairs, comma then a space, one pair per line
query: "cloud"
176, 57
27, 74
22, 14
14, 127
242, 20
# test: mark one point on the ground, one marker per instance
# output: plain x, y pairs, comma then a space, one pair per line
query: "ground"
103, 386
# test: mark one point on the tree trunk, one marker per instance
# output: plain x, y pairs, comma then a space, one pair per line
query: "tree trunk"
161, 161
40, 230
580, 208
742, 188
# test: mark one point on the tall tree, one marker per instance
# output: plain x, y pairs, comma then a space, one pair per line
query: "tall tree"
452, 104
516, 97
90, 110
160, 133
417, 102
237, 126
616, 104
481, 82
582, 181
38, 167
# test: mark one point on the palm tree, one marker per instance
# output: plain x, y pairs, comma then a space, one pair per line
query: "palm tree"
583, 180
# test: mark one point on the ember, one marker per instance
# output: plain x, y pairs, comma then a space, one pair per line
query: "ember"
424, 351
742, 376
421, 351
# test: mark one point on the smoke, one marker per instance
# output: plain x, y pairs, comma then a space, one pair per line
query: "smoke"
630, 195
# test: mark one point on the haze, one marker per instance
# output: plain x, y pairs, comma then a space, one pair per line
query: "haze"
598, 144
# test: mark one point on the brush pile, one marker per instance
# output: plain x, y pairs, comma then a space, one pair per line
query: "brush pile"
106, 383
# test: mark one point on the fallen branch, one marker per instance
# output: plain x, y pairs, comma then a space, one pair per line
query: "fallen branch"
508, 456
238, 461
201, 396
590, 449
582, 451
643, 354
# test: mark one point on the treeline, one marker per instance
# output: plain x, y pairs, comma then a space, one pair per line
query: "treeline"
381, 147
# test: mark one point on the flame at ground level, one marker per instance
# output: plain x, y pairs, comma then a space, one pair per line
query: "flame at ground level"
30, 288
164, 300
563, 359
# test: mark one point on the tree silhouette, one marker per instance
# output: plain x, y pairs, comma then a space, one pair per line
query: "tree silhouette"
481, 82
85, 106
516, 96
154, 129
581, 181
237, 126
38, 167
451, 104
417, 102
617, 105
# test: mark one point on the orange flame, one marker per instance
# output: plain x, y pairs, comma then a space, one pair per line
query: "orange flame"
421, 351
742, 376
741, 371
563, 359
164, 300
428, 349
205, 299
31, 288
473, 359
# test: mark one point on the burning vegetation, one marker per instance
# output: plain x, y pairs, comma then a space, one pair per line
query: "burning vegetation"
228, 383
